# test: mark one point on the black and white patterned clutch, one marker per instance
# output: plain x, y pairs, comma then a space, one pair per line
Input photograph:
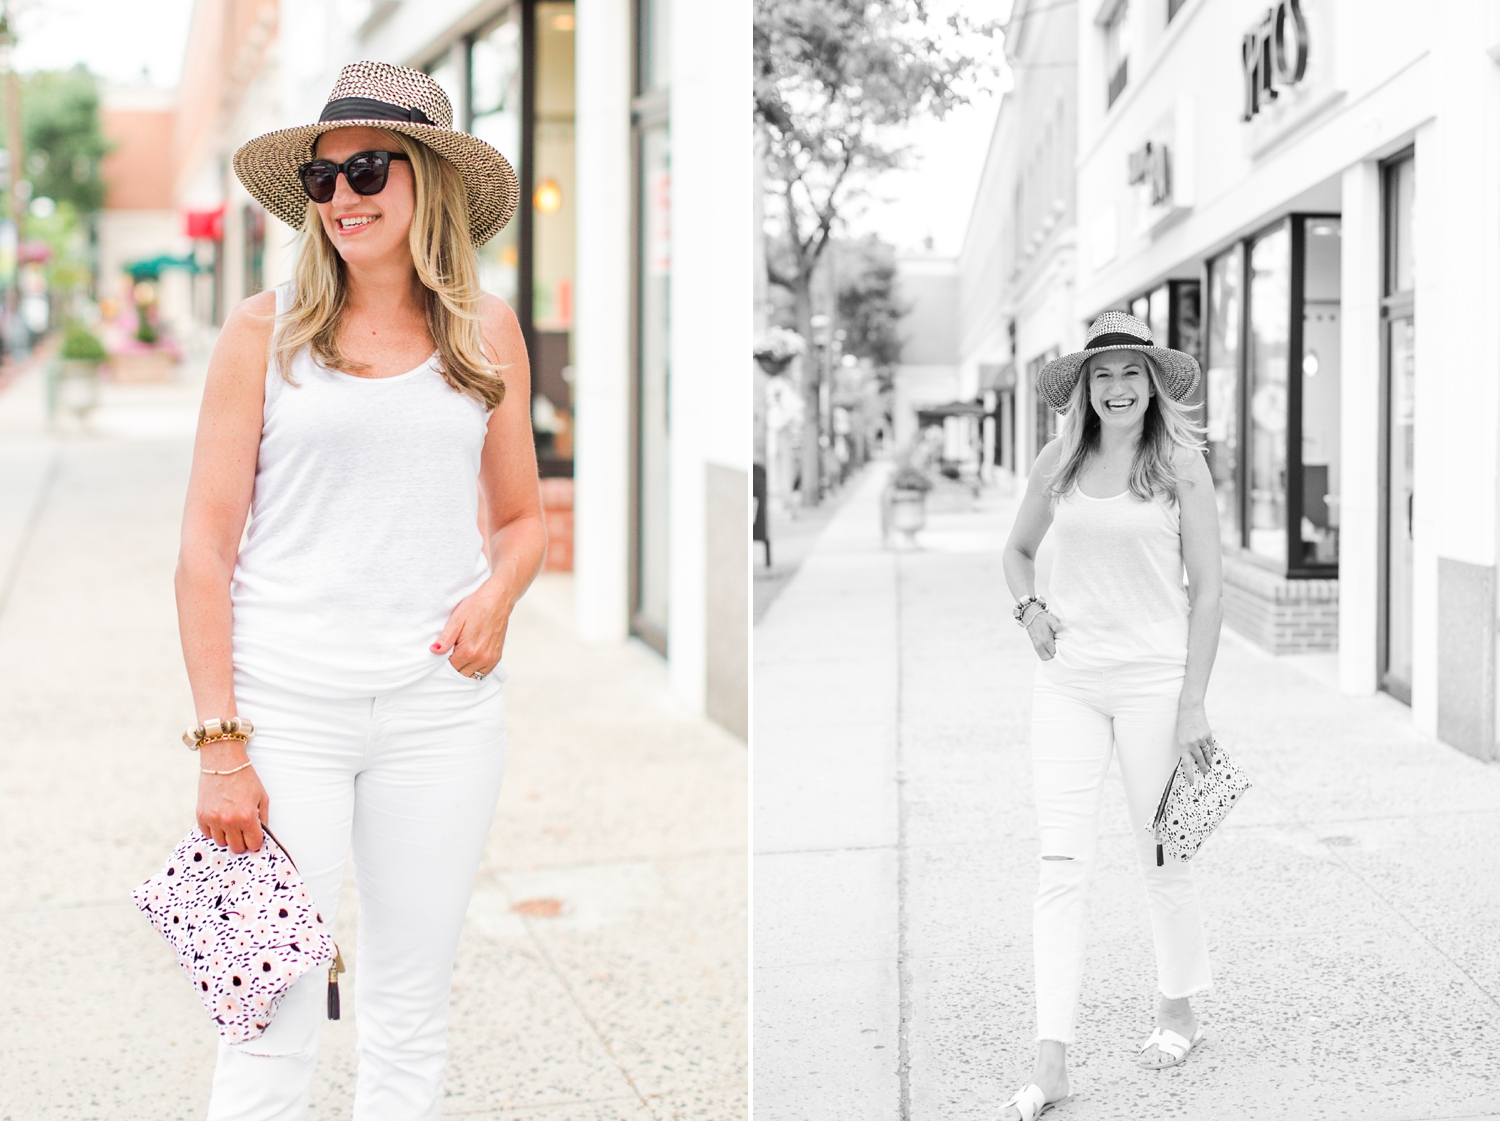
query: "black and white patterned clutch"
1190, 811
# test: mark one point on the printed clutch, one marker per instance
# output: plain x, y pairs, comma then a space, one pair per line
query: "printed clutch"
244, 928
1190, 811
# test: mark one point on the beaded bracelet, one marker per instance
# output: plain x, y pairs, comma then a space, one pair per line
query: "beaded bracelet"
236, 727
231, 771
1019, 611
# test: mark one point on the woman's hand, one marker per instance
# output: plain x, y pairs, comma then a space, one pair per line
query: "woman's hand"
475, 633
1194, 738
1042, 630
231, 807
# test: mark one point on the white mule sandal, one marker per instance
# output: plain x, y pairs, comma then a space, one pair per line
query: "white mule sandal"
1172, 1045
1030, 1101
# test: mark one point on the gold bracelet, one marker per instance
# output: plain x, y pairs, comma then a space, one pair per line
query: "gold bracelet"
225, 736
218, 728
231, 771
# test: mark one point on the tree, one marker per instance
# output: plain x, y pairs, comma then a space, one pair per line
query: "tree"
64, 142
868, 310
833, 80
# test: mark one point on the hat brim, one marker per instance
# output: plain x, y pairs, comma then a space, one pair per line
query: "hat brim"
267, 166
1058, 378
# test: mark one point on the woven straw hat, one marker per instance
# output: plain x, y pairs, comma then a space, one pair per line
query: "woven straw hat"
382, 95
1116, 330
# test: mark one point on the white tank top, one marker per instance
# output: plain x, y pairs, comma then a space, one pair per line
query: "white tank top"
1117, 581
363, 530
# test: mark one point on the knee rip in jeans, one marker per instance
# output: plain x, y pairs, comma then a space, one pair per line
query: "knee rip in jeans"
259, 1049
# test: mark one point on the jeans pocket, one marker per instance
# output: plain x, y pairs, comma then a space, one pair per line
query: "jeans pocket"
497, 675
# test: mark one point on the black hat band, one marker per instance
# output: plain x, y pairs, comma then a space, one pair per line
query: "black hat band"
371, 109
1116, 338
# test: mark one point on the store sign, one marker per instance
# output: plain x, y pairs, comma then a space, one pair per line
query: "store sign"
1273, 55
1151, 169
1162, 170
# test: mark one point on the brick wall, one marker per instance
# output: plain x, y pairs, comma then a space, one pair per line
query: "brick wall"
557, 507
1284, 616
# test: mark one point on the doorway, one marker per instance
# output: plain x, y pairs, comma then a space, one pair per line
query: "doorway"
1399, 429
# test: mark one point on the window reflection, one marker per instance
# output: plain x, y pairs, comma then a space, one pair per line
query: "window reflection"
1223, 387
1321, 289
495, 74
1270, 308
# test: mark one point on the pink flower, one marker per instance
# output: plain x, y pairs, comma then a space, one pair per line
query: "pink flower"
227, 1006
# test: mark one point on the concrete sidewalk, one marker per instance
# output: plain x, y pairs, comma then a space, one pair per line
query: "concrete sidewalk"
1352, 899
601, 974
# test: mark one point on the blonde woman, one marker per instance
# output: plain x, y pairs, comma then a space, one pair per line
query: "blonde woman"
1125, 655
372, 420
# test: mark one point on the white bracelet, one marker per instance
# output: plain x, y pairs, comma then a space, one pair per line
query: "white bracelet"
231, 771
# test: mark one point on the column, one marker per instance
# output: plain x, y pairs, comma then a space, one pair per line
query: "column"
602, 360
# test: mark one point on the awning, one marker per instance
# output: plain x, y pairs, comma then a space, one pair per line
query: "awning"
952, 408
151, 268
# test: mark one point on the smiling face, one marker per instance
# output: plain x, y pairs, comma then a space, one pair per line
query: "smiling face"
1119, 388
367, 229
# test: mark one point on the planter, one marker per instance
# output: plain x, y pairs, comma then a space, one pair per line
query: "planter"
72, 386
774, 366
908, 511
138, 367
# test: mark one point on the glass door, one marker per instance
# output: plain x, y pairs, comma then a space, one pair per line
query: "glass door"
1400, 355
1399, 406
651, 586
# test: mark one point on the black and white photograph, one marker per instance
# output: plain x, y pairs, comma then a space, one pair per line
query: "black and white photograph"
1124, 693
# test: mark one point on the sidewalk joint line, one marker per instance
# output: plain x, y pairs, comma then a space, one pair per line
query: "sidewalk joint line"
28, 530
1369, 886
903, 971
588, 1017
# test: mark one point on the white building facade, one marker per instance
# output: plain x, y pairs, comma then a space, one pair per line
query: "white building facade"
1017, 266
1304, 193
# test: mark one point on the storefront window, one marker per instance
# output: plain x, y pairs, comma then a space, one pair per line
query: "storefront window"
1222, 375
1321, 294
552, 200
495, 69
1270, 322
1159, 315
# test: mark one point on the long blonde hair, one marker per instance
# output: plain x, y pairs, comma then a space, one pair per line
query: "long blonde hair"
446, 265
1167, 427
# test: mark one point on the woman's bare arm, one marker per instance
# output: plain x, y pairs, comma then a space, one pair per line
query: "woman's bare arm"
1202, 557
218, 502
516, 534
1033, 520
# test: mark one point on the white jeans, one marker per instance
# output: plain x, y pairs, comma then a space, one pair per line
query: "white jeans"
411, 778
1078, 717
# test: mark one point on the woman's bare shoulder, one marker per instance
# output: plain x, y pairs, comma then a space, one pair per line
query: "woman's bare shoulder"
497, 316
1046, 459
250, 323
1191, 465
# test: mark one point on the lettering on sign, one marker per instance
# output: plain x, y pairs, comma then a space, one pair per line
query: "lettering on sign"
1274, 55
1150, 165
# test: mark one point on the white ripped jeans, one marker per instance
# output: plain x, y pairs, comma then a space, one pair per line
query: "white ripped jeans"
1078, 718
411, 779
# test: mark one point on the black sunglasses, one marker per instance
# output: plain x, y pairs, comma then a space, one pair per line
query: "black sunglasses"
365, 172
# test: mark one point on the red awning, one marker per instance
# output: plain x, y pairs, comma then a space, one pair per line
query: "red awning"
206, 225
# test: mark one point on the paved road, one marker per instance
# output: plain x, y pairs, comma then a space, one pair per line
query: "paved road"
620, 812
1352, 898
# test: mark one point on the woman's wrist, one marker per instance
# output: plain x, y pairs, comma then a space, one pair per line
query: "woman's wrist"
223, 753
